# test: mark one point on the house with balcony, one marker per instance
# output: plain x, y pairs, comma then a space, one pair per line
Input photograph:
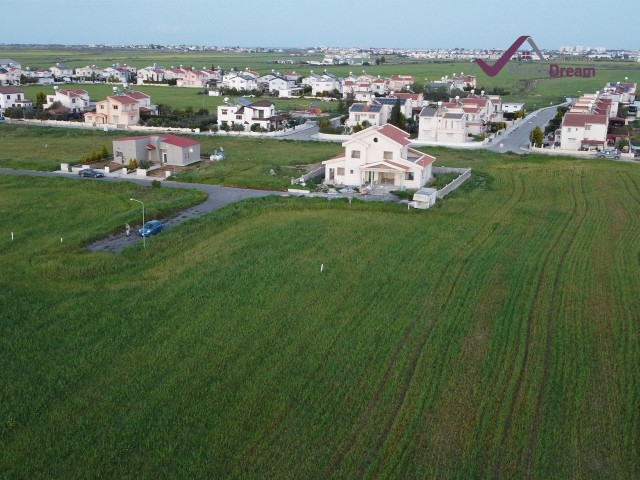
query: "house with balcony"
12, 97
379, 156
75, 101
443, 124
242, 112
121, 110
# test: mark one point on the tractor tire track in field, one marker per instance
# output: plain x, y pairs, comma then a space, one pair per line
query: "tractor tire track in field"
347, 446
553, 304
633, 195
497, 466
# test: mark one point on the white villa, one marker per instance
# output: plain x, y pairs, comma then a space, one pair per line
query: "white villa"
76, 101
243, 112
379, 156
376, 114
442, 124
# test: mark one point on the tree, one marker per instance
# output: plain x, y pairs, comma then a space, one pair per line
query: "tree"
41, 99
397, 118
536, 137
417, 87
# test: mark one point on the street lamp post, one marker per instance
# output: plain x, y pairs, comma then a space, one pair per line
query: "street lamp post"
144, 238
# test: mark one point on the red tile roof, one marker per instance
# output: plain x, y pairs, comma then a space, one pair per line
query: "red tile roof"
137, 95
395, 134
581, 119
425, 160
124, 99
398, 165
177, 141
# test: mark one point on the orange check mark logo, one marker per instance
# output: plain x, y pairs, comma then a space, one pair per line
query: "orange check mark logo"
493, 70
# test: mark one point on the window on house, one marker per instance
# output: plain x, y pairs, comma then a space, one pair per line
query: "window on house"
587, 127
355, 153
115, 107
224, 111
340, 171
238, 117
408, 176
387, 155
351, 172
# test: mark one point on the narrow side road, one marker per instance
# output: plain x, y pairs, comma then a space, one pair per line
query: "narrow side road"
217, 197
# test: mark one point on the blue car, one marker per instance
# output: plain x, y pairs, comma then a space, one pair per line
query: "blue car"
150, 228
91, 172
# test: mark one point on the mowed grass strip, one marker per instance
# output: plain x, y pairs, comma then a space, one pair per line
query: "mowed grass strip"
493, 335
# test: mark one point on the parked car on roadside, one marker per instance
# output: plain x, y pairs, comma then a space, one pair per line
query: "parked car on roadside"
150, 228
608, 154
91, 172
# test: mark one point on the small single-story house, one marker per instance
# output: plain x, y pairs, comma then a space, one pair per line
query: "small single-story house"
160, 149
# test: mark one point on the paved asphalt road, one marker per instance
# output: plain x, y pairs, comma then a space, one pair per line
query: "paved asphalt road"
217, 197
516, 139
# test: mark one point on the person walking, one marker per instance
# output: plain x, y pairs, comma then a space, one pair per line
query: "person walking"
128, 229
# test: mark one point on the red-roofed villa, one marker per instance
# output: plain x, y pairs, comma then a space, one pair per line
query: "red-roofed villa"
164, 148
379, 156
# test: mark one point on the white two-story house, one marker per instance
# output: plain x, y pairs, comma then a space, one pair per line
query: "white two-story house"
442, 124
583, 131
11, 97
76, 101
242, 112
379, 156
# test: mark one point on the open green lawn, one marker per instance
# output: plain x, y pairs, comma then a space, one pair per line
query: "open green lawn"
249, 160
180, 98
542, 93
495, 336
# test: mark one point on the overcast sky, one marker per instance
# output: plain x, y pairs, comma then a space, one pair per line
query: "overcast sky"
342, 23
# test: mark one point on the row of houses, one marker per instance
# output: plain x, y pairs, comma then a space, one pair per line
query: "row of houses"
11, 73
585, 125
454, 121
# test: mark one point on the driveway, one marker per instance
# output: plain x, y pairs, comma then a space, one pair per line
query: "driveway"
217, 197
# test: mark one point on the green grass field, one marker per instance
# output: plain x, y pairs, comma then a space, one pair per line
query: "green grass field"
544, 92
248, 164
494, 336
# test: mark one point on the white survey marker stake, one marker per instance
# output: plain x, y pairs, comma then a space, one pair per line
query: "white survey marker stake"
322, 267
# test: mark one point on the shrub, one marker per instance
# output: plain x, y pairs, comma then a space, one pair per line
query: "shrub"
144, 164
156, 184
133, 164
104, 153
